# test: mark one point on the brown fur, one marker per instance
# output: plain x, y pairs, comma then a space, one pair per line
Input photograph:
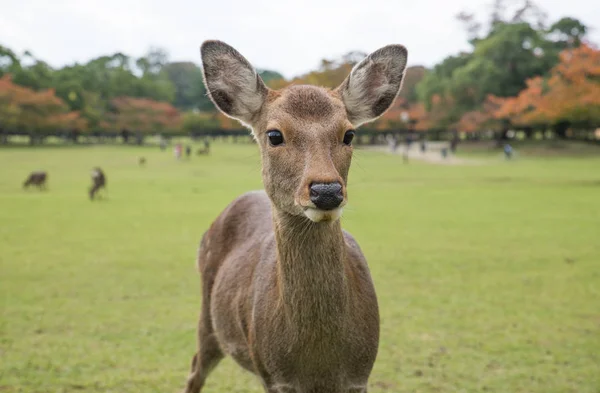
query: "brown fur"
290, 299
98, 182
37, 179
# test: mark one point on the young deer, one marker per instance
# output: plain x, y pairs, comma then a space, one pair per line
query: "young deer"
285, 291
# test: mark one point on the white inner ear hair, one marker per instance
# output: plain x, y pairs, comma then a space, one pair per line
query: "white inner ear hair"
240, 83
369, 81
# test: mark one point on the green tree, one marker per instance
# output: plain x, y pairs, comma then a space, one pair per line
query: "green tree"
269, 75
567, 33
199, 121
413, 76
190, 92
9, 61
515, 48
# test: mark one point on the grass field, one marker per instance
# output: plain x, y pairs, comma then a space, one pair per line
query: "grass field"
488, 276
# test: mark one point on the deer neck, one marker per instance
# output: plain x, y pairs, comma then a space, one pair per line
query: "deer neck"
311, 271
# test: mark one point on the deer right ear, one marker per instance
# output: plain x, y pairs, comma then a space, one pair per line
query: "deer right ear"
232, 83
373, 84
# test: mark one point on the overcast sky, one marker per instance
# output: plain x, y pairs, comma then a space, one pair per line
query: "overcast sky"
271, 34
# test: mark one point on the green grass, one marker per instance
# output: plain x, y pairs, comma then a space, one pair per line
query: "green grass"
488, 276
530, 148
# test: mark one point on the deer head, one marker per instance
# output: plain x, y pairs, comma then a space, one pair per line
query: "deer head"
304, 132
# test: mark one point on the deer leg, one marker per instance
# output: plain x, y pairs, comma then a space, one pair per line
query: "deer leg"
92, 192
209, 353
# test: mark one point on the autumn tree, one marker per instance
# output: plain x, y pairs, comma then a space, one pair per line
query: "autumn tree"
331, 73
568, 96
514, 47
141, 116
199, 121
34, 111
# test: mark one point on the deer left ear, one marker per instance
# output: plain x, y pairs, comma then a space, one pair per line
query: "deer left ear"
232, 83
373, 84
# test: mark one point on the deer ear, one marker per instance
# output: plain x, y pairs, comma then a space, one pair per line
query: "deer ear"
232, 83
373, 84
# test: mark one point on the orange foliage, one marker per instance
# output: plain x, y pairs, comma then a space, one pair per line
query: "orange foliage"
228, 123
571, 93
439, 111
392, 118
472, 121
417, 118
418, 114
330, 75
142, 114
21, 107
485, 117
522, 109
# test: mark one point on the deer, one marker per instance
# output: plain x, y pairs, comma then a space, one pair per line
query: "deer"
205, 150
36, 178
98, 182
285, 291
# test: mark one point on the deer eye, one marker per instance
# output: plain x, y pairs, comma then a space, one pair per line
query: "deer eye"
275, 137
348, 137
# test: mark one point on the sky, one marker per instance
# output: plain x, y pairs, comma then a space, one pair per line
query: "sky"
277, 35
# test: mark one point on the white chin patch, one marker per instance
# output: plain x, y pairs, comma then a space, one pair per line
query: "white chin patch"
318, 215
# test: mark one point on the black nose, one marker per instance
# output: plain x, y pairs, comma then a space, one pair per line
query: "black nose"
326, 196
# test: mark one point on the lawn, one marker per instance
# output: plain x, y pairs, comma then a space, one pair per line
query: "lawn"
488, 275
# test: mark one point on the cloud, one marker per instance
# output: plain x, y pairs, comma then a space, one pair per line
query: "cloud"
290, 38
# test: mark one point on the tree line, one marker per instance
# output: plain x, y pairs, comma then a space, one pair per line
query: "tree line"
521, 72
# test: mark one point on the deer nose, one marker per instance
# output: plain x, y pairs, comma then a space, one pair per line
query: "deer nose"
326, 196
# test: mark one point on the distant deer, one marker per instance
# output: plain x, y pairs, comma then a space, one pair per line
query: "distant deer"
142, 161
38, 179
205, 149
98, 182
285, 291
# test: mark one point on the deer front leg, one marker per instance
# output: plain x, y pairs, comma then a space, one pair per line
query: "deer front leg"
209, 353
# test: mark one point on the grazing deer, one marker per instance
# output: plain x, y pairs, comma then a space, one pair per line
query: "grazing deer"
37, 178
285, 291
142, 161
98, 182
205, 149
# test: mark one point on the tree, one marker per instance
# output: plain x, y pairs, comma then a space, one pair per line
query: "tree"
269, 75
567, 33
141, 115
154, 61
483, 118
515, 48
34, 111
331, 73
570, 95
9, 61
412, 77
199, 121
435, 88
190, 92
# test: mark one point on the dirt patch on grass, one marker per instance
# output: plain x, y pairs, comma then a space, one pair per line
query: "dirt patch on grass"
433, 154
